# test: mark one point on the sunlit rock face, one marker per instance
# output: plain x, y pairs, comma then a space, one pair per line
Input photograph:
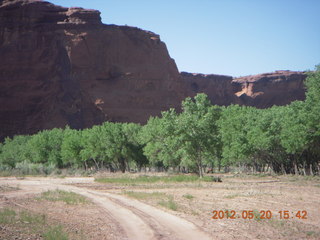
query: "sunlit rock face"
261, 91
268, 89
62, 66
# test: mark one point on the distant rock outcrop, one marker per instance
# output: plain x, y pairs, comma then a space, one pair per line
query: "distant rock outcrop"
219, 88
261, 91
62, 66
268, 89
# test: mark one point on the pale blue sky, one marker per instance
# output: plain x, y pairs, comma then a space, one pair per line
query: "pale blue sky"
230, 37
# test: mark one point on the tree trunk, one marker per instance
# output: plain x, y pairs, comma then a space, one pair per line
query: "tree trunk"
283, 169
111, 167
311, 170
296, 171
304, 169
212, 166
96, 163
199, 162
271, 167
200, 171
85, 165
101, 164
122, 165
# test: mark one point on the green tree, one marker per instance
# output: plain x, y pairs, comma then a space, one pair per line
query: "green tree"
14, 150
234, 127
294, 133
264, 127
161, 141
94, 147
45, 147
313, 110
198, 132
71, 147
134, 148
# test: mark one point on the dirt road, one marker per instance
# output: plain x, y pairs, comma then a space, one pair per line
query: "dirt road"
135, 219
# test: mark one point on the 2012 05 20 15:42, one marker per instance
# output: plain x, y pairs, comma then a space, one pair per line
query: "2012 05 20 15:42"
262, 214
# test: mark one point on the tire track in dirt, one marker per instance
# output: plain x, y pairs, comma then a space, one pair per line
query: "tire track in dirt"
169, 226
158, 230
136, 220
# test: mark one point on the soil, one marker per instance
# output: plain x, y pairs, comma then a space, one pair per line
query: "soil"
115, 214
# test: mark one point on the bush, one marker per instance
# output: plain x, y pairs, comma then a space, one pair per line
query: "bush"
26, 168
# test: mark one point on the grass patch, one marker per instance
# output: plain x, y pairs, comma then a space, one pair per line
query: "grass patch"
7, 216
232, 196
6, 173
188, 196
250, 193
154, 179
55, 233
31, 223
64, 196
260, 175
228, 213
310, 233
311, 178
257, 215
144, 195
166, 200
170, 204
294, 178
276, 223
8, 188
27, 217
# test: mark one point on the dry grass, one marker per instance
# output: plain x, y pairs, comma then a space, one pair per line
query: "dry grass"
64, 196
195, 200
31, 224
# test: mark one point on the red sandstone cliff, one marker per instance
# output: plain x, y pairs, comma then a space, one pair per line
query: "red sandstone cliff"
219, 88
268, 89
261, 91
62, 66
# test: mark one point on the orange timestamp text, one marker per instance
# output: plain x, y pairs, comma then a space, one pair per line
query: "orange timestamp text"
262, 214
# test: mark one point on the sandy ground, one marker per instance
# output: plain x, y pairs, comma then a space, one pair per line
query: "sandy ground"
115, 215
135, 220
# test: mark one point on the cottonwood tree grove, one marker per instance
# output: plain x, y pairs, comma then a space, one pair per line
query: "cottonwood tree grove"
285, 139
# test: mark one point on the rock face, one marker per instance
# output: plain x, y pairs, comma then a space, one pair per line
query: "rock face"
219, 88
62, 66
261, 91
268, 89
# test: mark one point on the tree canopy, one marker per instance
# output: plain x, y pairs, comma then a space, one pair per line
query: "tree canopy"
283, 138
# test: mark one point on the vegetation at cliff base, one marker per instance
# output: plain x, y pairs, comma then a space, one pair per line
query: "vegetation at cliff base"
285, 139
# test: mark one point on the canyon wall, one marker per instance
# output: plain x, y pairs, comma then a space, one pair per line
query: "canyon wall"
62, 66
261, 91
